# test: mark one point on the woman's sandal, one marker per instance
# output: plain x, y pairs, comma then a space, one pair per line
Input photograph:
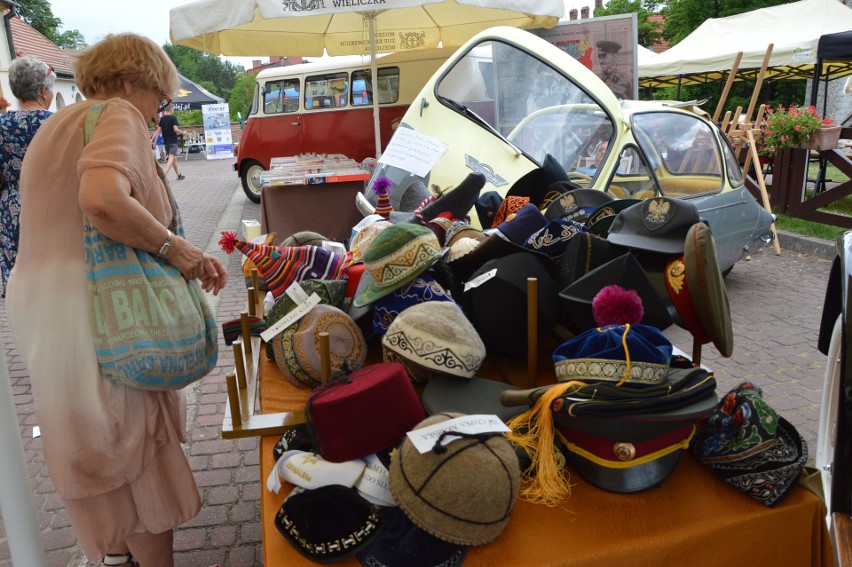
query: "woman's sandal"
112, 559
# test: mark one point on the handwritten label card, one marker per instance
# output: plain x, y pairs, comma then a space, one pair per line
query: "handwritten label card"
412, 151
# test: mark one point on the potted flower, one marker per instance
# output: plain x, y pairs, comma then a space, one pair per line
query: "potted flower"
799, 127
4, 104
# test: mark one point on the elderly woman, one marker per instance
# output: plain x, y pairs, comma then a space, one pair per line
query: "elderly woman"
32, 84
113, 452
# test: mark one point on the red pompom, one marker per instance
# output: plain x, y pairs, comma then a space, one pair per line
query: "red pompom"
614, 305
228, 241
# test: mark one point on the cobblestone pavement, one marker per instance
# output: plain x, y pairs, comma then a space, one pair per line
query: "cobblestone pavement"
775, 301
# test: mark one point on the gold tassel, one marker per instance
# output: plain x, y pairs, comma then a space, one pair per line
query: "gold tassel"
533, 432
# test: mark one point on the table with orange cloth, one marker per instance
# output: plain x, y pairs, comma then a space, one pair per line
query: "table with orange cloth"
692, 519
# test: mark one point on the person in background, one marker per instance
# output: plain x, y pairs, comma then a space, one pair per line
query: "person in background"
158, 144
31, 80
113, 452
170, 130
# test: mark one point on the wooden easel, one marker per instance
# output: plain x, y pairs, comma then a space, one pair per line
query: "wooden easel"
746, 132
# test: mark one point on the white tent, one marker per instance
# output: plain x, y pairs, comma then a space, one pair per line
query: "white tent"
705, 54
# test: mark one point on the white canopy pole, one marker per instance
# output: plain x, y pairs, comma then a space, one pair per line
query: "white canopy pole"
16, 505
374, 77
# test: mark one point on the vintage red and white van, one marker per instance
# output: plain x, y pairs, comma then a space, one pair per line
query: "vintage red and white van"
327, 107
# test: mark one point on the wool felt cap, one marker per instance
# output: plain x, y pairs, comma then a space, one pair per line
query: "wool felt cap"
420, 290
601, 218
628, 438
658, 225
746, 443
707, 287
536, 183
401, 543
526, 222
434, 338
327, 524
304, 238
398, 254
553, 238
498, 307
487, 206
300, 345
363, 412
247, 265
457, 201
615, 353
575, 204
280, 266
464, 492
493, 246
413, 196
624, 271
472, 396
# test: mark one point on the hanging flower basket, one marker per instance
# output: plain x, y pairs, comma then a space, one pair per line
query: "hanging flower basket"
825, 138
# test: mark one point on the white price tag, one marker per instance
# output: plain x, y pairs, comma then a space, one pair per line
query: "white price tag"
296, 293
424, 439
300, 311
481, 279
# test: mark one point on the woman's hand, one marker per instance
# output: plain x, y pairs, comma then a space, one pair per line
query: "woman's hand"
196, 265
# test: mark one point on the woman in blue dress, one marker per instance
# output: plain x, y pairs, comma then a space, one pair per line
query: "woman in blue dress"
31, 80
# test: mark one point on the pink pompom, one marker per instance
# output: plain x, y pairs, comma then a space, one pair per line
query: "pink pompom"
614, 305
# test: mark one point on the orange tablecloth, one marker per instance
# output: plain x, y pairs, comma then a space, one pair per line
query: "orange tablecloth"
693, 519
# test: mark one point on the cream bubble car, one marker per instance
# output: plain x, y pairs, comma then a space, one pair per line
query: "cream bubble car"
507, 99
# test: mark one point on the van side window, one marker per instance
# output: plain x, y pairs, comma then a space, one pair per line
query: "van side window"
281, 96
362, 88
330, 90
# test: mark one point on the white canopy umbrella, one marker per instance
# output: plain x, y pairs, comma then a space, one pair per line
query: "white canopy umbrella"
343, 27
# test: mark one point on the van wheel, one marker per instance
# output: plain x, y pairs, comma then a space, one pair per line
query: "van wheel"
250, 177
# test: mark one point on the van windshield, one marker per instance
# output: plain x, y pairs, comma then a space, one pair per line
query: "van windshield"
529, 103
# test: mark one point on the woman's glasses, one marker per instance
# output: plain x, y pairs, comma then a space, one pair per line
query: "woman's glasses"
167, 100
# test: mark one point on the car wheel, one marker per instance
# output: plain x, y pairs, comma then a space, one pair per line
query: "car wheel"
827, 430
250, 177
727, 272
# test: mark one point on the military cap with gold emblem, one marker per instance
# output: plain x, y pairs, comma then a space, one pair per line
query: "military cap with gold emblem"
575, 204
658, 225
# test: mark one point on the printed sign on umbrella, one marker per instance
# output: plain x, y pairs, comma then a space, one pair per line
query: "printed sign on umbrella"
345, 27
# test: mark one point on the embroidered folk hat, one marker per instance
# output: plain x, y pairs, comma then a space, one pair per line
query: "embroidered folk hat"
575, 204
304, 238
364, 238
526, 222
231, 329
364, 411
746, 443
460, 230
659, 225
462, 492
553, 238
707, 287
298, 355
398, 254
434, 338
281, 266
327, 524
401, 543
615, 353
508, 207
420, 290
493, 246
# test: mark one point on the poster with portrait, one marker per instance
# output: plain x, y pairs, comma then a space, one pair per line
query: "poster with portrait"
606, 46
217, 131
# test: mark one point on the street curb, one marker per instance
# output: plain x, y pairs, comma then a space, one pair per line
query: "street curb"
806, 245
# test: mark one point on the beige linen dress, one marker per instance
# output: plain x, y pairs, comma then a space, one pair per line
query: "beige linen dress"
113, 452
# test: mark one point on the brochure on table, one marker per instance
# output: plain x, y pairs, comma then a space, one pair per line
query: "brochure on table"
217, 131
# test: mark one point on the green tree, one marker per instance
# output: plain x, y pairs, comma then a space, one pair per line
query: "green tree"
241, 95
215, 75
39, 15
682, 17
647, 30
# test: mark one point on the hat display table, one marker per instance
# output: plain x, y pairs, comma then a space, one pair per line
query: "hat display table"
693, 518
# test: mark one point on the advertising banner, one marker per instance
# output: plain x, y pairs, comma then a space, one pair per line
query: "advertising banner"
217, 131
606, 46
